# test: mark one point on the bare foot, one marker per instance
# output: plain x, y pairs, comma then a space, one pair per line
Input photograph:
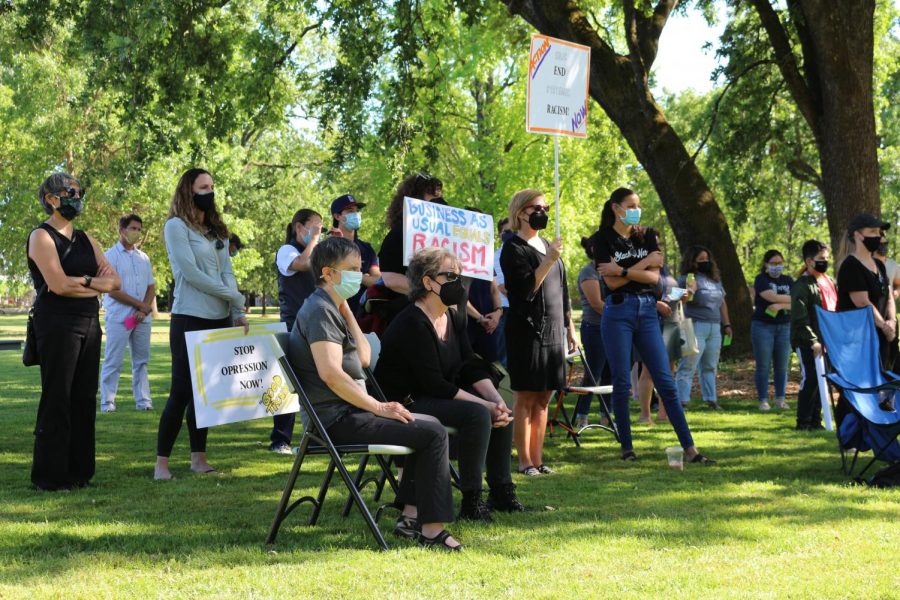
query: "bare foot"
199, 464
161, 469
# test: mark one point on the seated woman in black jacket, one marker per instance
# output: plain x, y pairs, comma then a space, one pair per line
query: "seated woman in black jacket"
425, 354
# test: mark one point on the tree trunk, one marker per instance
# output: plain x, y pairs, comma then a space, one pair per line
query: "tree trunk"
624, 95
843, 42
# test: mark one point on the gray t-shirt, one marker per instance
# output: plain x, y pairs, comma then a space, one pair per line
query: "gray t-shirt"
588, 314
320, 321
707, 302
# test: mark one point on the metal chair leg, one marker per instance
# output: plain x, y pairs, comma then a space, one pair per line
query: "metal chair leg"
357, 480
281, 511
323, 489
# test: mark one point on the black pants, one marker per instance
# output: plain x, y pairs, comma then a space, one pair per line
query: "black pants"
64, 450
181, 393
481, 448
426, 474
282, 429
809, 407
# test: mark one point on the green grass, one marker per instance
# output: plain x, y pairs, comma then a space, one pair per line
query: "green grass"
774, 519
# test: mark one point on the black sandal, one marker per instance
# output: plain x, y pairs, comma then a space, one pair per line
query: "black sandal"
407, 527
699, 458
439, 542
629, 456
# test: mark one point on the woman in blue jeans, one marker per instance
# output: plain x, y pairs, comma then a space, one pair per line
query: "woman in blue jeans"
770, 328
706, 307
591, 337
629, 263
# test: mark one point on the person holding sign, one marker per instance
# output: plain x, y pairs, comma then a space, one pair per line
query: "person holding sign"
329, 351
538, 326
295, 284
206, 297
426, 356
629, 262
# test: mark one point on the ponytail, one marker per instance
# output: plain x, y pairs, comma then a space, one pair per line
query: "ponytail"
302, 216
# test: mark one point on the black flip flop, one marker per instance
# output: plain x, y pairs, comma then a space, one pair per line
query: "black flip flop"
439, 542
700, 459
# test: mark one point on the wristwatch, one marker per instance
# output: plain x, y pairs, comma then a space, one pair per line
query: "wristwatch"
624, 273
87, 281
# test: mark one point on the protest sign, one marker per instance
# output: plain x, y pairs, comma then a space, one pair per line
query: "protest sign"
557, 99
237, 377
467, 234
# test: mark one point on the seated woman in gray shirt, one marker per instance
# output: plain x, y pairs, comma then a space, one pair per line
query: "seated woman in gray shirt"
329, 351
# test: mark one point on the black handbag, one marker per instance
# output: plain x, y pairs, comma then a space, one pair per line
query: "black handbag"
30, 355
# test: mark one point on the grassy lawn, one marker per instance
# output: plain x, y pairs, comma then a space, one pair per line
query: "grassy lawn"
775, 518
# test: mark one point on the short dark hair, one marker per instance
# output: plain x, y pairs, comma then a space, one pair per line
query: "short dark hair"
811, 248
769, 255
328, 253
56, 183
127, 219
501, 223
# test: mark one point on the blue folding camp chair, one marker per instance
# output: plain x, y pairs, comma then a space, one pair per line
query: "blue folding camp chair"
852, 345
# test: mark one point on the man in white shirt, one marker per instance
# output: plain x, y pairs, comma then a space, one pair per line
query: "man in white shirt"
128, 316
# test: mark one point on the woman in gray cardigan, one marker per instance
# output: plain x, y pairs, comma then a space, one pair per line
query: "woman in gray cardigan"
206, 297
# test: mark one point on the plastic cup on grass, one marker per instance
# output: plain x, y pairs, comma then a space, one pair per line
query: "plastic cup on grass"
675, 457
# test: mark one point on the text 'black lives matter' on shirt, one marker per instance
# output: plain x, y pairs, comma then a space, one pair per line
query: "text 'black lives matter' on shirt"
609, 246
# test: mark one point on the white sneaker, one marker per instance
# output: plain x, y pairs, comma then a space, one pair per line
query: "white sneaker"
145, 407
780, 403
109, 408
764, 406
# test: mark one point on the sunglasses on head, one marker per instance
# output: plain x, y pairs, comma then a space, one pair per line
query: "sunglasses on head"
450, 275
73, 193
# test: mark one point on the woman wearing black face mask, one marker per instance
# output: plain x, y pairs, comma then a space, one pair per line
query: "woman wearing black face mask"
813, 288
706, 306
538, 326
206, 297
863, 281
69, 272
426, 356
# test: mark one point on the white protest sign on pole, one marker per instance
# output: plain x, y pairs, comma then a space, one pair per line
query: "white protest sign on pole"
557, 98
467, 234
237, 377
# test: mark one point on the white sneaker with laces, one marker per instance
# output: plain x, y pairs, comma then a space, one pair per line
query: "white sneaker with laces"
764, 406
780, 403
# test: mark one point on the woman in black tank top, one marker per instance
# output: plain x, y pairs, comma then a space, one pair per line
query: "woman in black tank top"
69, 272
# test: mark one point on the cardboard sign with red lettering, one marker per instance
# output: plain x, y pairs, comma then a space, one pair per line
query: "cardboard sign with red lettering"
558, 74
467, 234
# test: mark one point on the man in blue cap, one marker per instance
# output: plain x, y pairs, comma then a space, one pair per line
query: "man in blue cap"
346, 220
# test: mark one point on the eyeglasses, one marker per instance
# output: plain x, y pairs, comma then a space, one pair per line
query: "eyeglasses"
537, 207
73, 193
450, 275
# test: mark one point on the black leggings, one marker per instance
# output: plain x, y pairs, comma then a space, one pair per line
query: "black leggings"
481, 447
64, 451
426, 474
181, 393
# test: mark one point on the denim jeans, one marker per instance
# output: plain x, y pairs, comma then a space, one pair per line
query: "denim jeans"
634, 321
595, 355
709, 340
771, 341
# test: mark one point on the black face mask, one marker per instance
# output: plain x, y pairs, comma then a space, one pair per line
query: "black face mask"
871, 242
882, 249
69, 208
704, 267
538, 220
820, 266
452, 293
204, 201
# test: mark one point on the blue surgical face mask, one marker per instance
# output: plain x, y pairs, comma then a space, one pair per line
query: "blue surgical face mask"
632, 216
774, 270
349, 284
353, 221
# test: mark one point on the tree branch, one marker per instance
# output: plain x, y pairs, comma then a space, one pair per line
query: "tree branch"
650, 28
803, 171
787, 63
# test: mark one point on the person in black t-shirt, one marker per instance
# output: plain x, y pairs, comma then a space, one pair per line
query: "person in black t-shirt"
629, 263
862, 279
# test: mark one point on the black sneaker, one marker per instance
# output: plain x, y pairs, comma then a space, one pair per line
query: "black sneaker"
473, 508
503, 498
407, 527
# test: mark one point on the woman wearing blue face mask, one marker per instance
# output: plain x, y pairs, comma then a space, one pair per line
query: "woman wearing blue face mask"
770, 328
295, 284
329, 352
345, 222
629, 262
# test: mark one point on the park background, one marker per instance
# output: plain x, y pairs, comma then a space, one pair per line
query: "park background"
292, 103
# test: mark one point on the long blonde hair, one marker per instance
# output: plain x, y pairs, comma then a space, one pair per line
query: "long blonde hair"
518, 202
183, 207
